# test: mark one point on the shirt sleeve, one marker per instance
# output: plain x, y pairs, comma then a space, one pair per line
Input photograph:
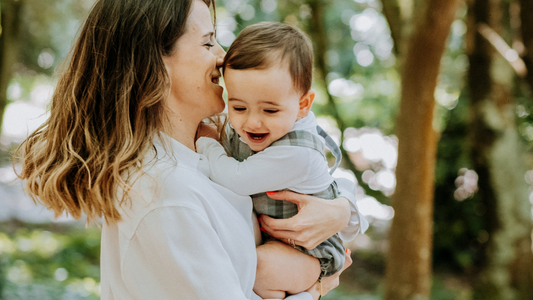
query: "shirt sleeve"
358, 223
176, 254
261, 172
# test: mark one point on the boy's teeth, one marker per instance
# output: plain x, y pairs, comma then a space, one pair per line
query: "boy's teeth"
257, 136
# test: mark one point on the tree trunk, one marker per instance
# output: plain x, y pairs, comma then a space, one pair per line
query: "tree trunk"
408, 274
392, 12
526, 26
496, 152
319, 37
482, 137
10, 17
507, 269
10, 12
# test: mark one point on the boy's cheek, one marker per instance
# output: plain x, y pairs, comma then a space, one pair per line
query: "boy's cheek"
235, 122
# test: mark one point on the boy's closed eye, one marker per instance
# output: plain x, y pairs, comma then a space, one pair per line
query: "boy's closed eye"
239, 108
271, 111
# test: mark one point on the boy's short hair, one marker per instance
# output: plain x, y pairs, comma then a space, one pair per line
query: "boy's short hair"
260, 45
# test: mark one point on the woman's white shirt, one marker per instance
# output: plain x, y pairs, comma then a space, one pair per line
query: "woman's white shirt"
182, 237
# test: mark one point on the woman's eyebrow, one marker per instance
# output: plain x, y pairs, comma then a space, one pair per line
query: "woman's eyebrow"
209, 34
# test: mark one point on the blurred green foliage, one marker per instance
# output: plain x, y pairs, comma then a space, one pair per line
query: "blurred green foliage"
49, 262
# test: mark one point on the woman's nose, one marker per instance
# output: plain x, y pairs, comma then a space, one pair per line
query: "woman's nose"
219, 54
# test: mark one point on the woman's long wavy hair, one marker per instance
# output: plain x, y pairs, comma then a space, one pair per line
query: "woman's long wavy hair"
108, 106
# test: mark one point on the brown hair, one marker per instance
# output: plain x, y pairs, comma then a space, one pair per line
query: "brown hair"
263, 44
108, 106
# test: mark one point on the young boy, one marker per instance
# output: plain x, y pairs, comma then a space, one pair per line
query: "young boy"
275, 143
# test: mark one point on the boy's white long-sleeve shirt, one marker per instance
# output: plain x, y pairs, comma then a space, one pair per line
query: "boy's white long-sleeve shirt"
300, 169
182, 237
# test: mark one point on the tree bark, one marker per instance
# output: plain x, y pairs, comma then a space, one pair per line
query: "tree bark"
408, 273
481, 137
526, 26
392, 12
319, 37
320, 40
506, 271
10, 20
10, 15
505, 262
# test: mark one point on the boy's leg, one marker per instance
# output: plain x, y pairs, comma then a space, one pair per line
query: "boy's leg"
282, 269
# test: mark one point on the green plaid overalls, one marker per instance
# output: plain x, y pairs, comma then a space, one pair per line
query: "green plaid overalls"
330, 252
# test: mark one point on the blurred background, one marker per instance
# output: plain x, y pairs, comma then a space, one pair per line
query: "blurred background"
430, 100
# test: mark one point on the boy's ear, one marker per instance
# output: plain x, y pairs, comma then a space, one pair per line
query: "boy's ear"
306, 101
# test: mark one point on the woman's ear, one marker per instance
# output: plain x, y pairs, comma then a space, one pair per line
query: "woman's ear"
306, 101
166, 63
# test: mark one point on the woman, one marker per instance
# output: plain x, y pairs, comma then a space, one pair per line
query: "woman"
120, 143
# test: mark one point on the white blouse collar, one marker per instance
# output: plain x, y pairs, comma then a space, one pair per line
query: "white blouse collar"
180, 152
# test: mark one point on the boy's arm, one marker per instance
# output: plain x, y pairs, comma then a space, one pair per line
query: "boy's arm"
272, 169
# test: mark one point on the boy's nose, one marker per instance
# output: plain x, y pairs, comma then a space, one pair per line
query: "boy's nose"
253, 123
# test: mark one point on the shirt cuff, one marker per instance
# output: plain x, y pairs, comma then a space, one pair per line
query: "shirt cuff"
358, 223
300, 296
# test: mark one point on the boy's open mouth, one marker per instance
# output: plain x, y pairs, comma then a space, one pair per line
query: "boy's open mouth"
257, 136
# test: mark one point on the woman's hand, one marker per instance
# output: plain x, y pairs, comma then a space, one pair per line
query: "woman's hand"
331, 282
316, 221
207, 130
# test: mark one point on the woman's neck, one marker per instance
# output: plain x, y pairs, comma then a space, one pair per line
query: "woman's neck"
183, 130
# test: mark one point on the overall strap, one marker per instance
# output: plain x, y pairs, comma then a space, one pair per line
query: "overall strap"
332, 146
306, 139
301, 138
234, 146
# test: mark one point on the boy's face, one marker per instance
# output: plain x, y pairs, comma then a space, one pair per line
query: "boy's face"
263, 104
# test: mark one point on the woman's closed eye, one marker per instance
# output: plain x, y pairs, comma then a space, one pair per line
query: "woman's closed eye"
209, 45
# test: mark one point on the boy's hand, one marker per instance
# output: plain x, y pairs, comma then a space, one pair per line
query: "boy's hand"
207, 130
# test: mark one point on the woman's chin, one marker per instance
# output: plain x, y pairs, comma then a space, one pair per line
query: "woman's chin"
216, 108
221, 106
